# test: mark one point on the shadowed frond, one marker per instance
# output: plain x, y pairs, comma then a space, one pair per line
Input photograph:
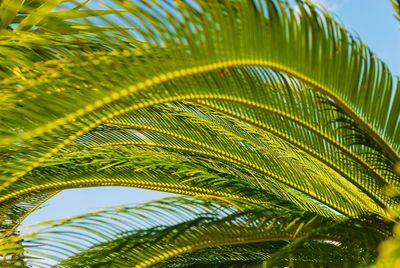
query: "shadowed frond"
146, 235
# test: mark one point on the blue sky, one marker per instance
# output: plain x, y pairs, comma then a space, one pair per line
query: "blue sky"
371, 20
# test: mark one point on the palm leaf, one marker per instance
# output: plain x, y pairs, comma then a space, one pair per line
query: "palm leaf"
157, 170
396, 6
231, 56
116, 238
267, 111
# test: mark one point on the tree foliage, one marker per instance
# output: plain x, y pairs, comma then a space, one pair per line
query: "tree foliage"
278, 128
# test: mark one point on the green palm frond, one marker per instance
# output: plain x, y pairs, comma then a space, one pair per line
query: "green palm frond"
267, 113
183, 130
12, 214
103, 102
151, 168
37, 32
146, 235
396, 6
318, 253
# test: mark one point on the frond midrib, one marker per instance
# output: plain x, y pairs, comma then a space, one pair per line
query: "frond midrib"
157, 186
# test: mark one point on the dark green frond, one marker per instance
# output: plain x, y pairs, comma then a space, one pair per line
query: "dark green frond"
150, 234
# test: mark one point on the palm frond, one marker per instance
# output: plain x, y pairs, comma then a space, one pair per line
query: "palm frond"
396, 6
266, 113
190, 133
158, 170
102, 104
12, 215
146, 235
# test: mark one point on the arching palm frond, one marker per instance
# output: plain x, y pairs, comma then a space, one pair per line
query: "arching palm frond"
133, 85
172, 128
265, 111
146, 235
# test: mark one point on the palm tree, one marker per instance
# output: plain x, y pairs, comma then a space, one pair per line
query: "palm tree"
277, 128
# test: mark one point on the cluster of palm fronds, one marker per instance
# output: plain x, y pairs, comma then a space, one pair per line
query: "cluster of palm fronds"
278, 128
